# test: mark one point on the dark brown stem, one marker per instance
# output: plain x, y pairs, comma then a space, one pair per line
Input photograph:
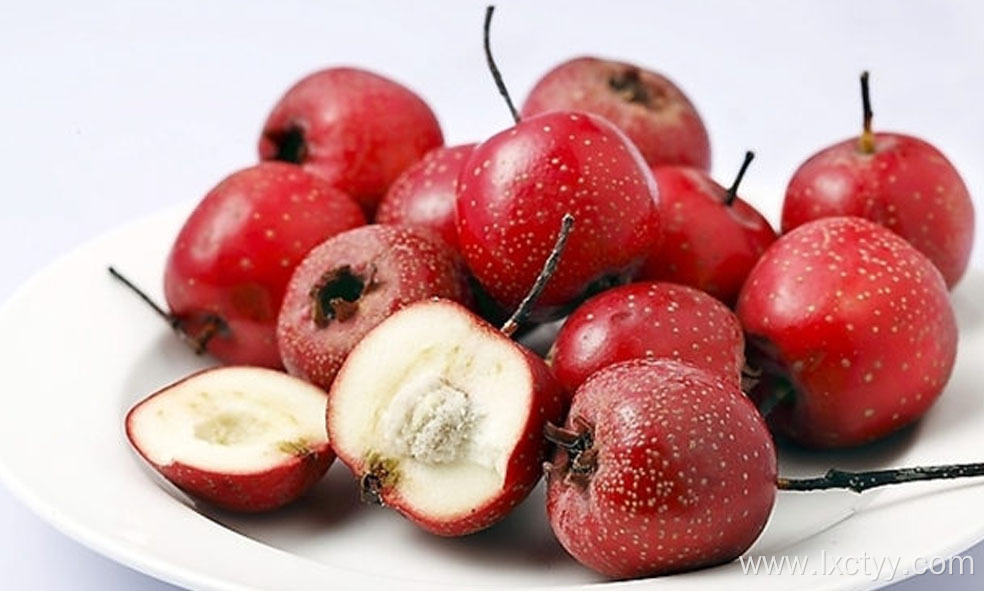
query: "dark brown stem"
866, 143
199, 342
549, 267
732, 193
496, 75
862, 481
212, 325
167, 316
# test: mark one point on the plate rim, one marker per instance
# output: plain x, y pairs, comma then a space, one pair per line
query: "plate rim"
140, 559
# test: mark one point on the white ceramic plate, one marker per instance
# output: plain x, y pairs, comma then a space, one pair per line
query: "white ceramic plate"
78, 351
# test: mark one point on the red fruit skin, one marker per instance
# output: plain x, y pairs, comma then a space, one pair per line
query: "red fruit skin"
515, 189
857, 321
410, 265
360, 130
424, 194
254, 492
648, 320
525, 465
236, 251
247, 492
706, 244
685, 476
906, 185
662, 122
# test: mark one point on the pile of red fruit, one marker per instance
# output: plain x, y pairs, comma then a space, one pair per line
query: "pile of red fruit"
596, 205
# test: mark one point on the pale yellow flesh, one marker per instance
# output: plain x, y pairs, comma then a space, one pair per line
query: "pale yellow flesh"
231, 420
439, 397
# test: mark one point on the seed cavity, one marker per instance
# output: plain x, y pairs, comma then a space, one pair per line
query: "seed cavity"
230, 428
428, 420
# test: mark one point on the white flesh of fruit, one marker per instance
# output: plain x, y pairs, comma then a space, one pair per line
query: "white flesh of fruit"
440, 396
231, 420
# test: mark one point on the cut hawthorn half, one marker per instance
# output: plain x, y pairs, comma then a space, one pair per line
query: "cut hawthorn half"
440, 416
241, 438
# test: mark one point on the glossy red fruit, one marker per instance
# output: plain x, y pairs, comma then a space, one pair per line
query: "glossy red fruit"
244, 439
710, 241
516, 187
648, 320
663, 467
895, 180
852, 328
440, 416
356, 129
229, 266
904, 184
424, 194
648, 107
351, 283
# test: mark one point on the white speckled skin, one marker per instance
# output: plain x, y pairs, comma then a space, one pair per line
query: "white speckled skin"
685, 474
858, 321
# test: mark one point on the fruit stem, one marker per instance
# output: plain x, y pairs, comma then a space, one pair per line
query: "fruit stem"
866, 143
496, 75
212, 324
732, 193
862, 481
169, 318
549, 267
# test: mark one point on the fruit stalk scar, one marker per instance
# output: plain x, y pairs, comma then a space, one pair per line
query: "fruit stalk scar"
579, 444
381, 475
496, 75
211, 326
291, 145
732, 193
336, 296
862, 481
866, 143
549, 267
628, 84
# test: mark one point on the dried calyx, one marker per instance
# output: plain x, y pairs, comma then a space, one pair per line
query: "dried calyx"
290, 143
628, 84
578, 442
337, 295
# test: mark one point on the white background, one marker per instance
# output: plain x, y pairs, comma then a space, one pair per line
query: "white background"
113, 110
